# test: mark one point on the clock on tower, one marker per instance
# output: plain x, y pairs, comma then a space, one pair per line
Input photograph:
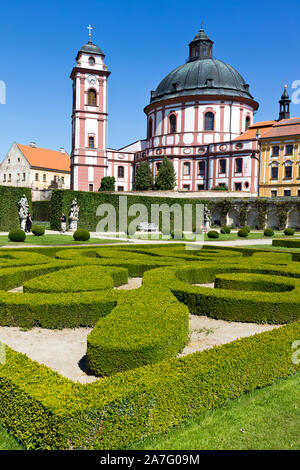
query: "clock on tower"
89, 118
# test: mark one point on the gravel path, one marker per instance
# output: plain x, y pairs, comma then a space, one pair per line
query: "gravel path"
64, 350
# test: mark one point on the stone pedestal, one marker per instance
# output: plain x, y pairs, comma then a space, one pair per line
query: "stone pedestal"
73, 224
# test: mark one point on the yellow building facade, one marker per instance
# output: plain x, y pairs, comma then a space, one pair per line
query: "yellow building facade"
280, 160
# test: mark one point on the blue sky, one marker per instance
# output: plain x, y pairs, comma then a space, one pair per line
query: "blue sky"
143, 41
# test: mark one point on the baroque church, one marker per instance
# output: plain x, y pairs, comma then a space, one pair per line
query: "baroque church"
200, 116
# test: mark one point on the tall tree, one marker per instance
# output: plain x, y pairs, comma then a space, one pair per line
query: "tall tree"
143, 177
166, 176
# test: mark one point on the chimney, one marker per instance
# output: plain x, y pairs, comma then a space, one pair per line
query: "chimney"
32, 144
62, 150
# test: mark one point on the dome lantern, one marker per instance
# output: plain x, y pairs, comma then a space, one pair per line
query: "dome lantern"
201, 46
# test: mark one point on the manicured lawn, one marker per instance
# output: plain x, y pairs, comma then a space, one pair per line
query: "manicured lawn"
265, 419
52, 240
7, 442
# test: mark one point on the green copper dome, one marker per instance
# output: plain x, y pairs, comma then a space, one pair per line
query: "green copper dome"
91, 48
202, 75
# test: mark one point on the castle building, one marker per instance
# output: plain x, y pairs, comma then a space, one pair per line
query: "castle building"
34, 167
196, 117
280, 155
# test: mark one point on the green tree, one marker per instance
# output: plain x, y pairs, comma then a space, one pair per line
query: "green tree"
143, 177
107, 183
166, 176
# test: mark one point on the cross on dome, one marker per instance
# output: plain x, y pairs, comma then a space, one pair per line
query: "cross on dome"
90, 33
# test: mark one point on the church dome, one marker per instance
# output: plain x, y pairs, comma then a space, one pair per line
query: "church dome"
91, 48
202, 75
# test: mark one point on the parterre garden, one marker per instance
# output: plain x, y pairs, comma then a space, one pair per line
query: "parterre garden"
143, 388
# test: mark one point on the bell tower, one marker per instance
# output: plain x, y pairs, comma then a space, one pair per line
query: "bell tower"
284, 103
89, 118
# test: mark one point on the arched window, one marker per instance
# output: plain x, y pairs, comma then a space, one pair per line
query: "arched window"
150, 129
209, 121
173, 124
92, 98
247, 124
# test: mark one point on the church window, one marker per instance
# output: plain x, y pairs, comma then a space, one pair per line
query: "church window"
44, 177
289, 149
24, 176
36, 177
186, 168
275, 151
248, 120
91, 142
9, 177
4, 178
92, 61
209, 122
201, 168
150, 128
222, 167
173, 124
120, 172
287, 192
238, 186
91, 187
92, 98
238, 165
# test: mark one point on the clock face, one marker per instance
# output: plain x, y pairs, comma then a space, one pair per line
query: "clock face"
92, 80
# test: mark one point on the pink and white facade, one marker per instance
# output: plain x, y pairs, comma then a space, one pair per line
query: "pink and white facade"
195, 117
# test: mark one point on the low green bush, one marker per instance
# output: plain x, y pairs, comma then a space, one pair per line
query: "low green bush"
289, 231
225, 229
142, 330
38, 230
286, 243
43, 408
269, 232
213, 234
17, 235
243, 232
81, 235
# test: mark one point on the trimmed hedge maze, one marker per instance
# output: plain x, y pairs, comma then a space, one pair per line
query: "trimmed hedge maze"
143, 388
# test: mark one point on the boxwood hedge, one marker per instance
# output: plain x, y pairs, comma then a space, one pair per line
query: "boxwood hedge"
136, 336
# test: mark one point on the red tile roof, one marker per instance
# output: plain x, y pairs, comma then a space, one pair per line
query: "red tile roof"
286, 127
250, 134
44, 158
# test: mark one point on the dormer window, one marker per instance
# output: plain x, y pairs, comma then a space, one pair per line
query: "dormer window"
92, 61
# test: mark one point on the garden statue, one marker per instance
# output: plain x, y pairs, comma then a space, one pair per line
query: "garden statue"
73, 215
23, 211
206, 218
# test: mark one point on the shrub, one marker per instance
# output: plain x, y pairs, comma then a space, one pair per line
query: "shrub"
166, 175
81, 235
213, 234
107, 183
38, 230
248, 228
225, 229
289, 231
243, 232
17, 235
269, 232
143, 177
